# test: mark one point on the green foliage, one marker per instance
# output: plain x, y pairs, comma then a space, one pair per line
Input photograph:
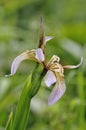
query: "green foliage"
19, 29
10, 121
29, 90
23, 107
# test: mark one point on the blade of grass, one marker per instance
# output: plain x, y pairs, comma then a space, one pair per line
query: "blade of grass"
23, 108
9, 123
81, 94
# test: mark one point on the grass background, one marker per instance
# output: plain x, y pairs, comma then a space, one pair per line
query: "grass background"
19, 31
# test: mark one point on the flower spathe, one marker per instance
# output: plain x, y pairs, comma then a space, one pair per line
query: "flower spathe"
55, 71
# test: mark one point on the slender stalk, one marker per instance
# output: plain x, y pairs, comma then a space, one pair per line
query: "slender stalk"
23, 108
31, 87
81, 94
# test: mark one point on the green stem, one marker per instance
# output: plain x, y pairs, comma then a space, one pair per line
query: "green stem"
36, 79
31, 87
23, 108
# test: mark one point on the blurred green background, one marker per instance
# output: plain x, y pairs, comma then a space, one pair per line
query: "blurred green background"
19, 31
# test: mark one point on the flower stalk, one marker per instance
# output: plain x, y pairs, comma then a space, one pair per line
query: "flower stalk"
31, 87
36, 79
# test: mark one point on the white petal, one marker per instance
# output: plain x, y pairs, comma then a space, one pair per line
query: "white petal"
48, 38
39, 54
50, 78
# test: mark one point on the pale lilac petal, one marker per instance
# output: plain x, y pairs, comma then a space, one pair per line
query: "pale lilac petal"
16, 62
57, 93
48, 38
39, 54
73, 66
50, 78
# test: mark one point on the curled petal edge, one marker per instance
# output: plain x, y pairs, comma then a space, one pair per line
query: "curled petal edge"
74, 66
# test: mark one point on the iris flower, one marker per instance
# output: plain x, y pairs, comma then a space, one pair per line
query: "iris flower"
54, 70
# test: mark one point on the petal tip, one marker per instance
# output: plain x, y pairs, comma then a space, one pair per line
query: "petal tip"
74, 66
48, 38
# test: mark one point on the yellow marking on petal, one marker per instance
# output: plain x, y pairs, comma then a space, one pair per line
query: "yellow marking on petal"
23, 56
54, 60
55, 66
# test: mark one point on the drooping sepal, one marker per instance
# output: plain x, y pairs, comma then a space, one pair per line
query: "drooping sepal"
50, 78
24, 56
57, 92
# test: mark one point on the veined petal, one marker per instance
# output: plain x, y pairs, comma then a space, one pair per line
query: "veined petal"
39, 54
73, 66
50, 78
16, 62
57, 92
48, 38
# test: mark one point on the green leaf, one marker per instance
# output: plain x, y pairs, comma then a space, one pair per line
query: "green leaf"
9, 123
23, 107
31, 87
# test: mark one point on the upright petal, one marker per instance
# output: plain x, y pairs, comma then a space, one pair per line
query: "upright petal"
57, 92
41, 35
73, 66
48, 38
50, 78
16, 62
39, 54
42, 38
